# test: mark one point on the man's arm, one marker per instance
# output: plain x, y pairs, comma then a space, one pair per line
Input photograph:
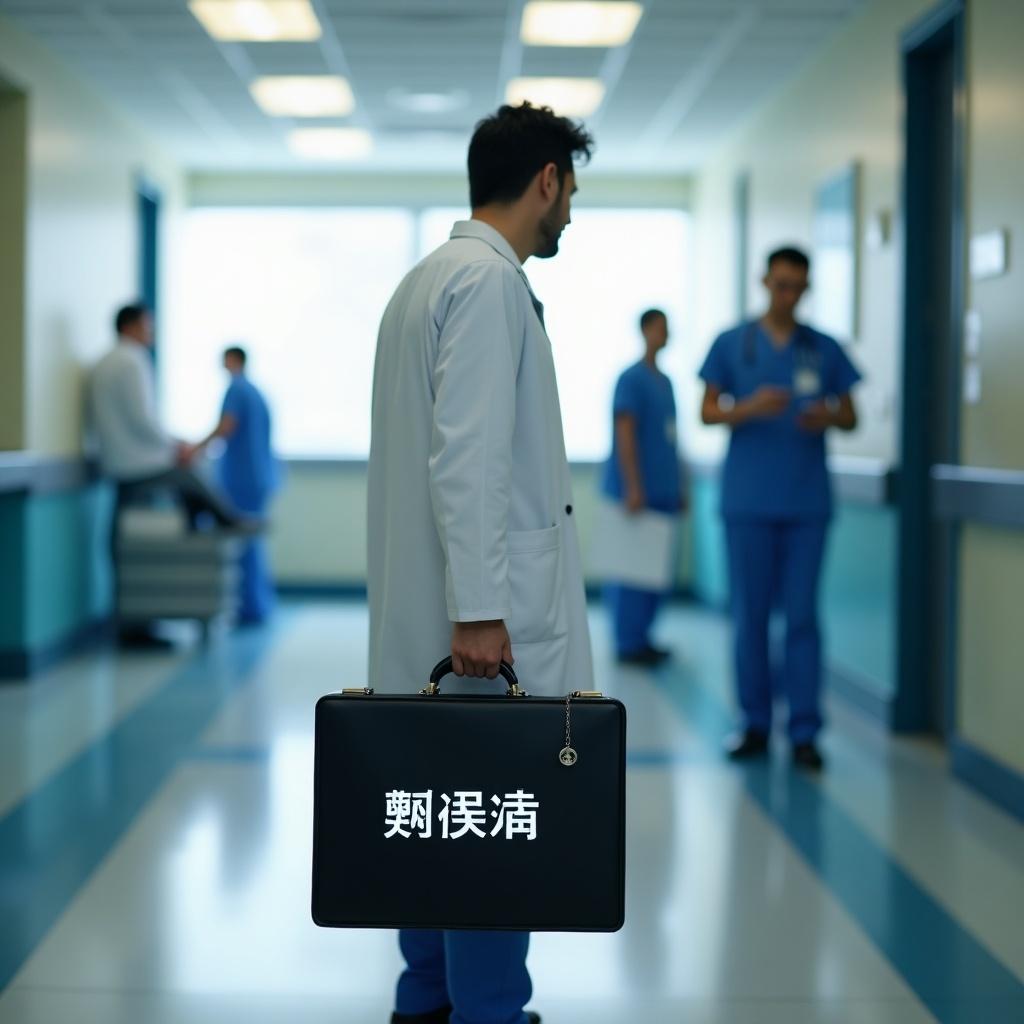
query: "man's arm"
839, 412
767, 402
629, 461
135, 391
479, 348
226, 426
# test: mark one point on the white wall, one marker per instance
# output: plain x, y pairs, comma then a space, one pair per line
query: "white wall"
81, 233
844, 105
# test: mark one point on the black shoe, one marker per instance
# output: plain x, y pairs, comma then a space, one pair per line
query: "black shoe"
441, 1016
646, 657
533, 1018
143, 640
742, 746
806, 755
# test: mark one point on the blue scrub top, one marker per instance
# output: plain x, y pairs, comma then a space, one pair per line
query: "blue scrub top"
248, 469
775, 470
646, 395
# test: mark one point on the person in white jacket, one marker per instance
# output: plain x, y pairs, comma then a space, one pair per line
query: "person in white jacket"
472, 543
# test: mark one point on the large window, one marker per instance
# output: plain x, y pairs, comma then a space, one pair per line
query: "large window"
303, 290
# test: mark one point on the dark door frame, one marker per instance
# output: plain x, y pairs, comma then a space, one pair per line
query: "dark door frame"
149, 203
919, 627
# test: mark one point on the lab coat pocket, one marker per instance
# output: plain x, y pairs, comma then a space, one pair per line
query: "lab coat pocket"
535, 585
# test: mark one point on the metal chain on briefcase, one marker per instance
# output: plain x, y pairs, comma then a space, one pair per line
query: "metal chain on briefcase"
567, 755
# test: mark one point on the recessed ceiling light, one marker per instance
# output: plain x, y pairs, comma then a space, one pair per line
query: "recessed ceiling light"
303, 95
579, 23
570, 97
428, 102
331, 143
259, 21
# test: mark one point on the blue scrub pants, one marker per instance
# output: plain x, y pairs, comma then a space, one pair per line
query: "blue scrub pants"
257, 596
633, 612
482, 975
768, 561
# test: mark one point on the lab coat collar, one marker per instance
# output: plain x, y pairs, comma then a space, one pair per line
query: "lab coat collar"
499, 243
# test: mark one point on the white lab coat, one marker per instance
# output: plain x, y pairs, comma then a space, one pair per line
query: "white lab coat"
470, 505
123, 414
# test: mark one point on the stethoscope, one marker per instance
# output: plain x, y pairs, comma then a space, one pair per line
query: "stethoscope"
805, 352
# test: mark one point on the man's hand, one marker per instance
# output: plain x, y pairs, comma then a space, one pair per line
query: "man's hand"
479, 648
186, 452
635, 501
767, 402
815, 418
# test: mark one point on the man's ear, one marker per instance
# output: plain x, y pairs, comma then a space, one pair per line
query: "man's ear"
549, 183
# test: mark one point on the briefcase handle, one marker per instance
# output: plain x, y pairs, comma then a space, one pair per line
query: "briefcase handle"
444, 667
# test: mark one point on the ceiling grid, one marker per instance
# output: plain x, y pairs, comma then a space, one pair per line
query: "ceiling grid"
691, 71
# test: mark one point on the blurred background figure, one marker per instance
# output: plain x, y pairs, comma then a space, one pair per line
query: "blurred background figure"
249, 474
784, 385
134, 449
643, 474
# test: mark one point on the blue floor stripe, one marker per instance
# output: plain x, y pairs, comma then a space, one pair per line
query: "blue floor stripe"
228, 755
56, 837
952, 974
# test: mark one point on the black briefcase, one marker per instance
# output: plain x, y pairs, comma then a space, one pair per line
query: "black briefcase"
491, 811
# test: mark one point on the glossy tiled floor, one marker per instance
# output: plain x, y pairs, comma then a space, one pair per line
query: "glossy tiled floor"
155, 831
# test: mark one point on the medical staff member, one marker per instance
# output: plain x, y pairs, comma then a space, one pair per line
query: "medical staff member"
642, 473
472, 540
248, 473
779, 385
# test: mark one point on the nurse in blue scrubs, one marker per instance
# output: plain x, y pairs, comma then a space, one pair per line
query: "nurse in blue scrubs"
642, 473
249, 474
780, 386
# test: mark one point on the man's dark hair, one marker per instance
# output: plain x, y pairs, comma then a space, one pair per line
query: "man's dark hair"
649, 316
128, 315
790, 254
510, 147
236, 353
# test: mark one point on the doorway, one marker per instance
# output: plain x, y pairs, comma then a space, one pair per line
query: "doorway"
149, 249
932, 53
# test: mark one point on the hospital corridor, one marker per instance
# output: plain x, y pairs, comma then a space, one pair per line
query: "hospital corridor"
511, 511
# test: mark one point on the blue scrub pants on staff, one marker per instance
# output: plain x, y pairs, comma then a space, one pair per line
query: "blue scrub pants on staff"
481, 974
633, 613
257, 596
773, 560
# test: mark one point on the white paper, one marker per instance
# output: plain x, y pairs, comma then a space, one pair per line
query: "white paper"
633, 549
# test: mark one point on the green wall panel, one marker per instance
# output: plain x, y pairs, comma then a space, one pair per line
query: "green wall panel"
858, 590
68, 571
12, 570
859, 596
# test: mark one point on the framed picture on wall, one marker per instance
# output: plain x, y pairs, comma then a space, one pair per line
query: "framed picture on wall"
835, 270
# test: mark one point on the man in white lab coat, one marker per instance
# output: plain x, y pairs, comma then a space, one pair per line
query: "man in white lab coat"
472, 543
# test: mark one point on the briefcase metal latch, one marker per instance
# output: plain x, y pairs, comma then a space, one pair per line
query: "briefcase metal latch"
357, 691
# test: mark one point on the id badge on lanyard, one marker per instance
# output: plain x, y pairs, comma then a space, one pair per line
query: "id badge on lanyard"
807, 372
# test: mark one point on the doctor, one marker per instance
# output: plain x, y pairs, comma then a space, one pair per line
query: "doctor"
472, 543
780, 386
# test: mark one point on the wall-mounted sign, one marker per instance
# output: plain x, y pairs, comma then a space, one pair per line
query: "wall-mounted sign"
989, 254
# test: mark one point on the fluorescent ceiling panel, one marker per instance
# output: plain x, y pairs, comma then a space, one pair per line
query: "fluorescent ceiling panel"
257, 21
303, 95
335, 144
570, 97
579, 23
